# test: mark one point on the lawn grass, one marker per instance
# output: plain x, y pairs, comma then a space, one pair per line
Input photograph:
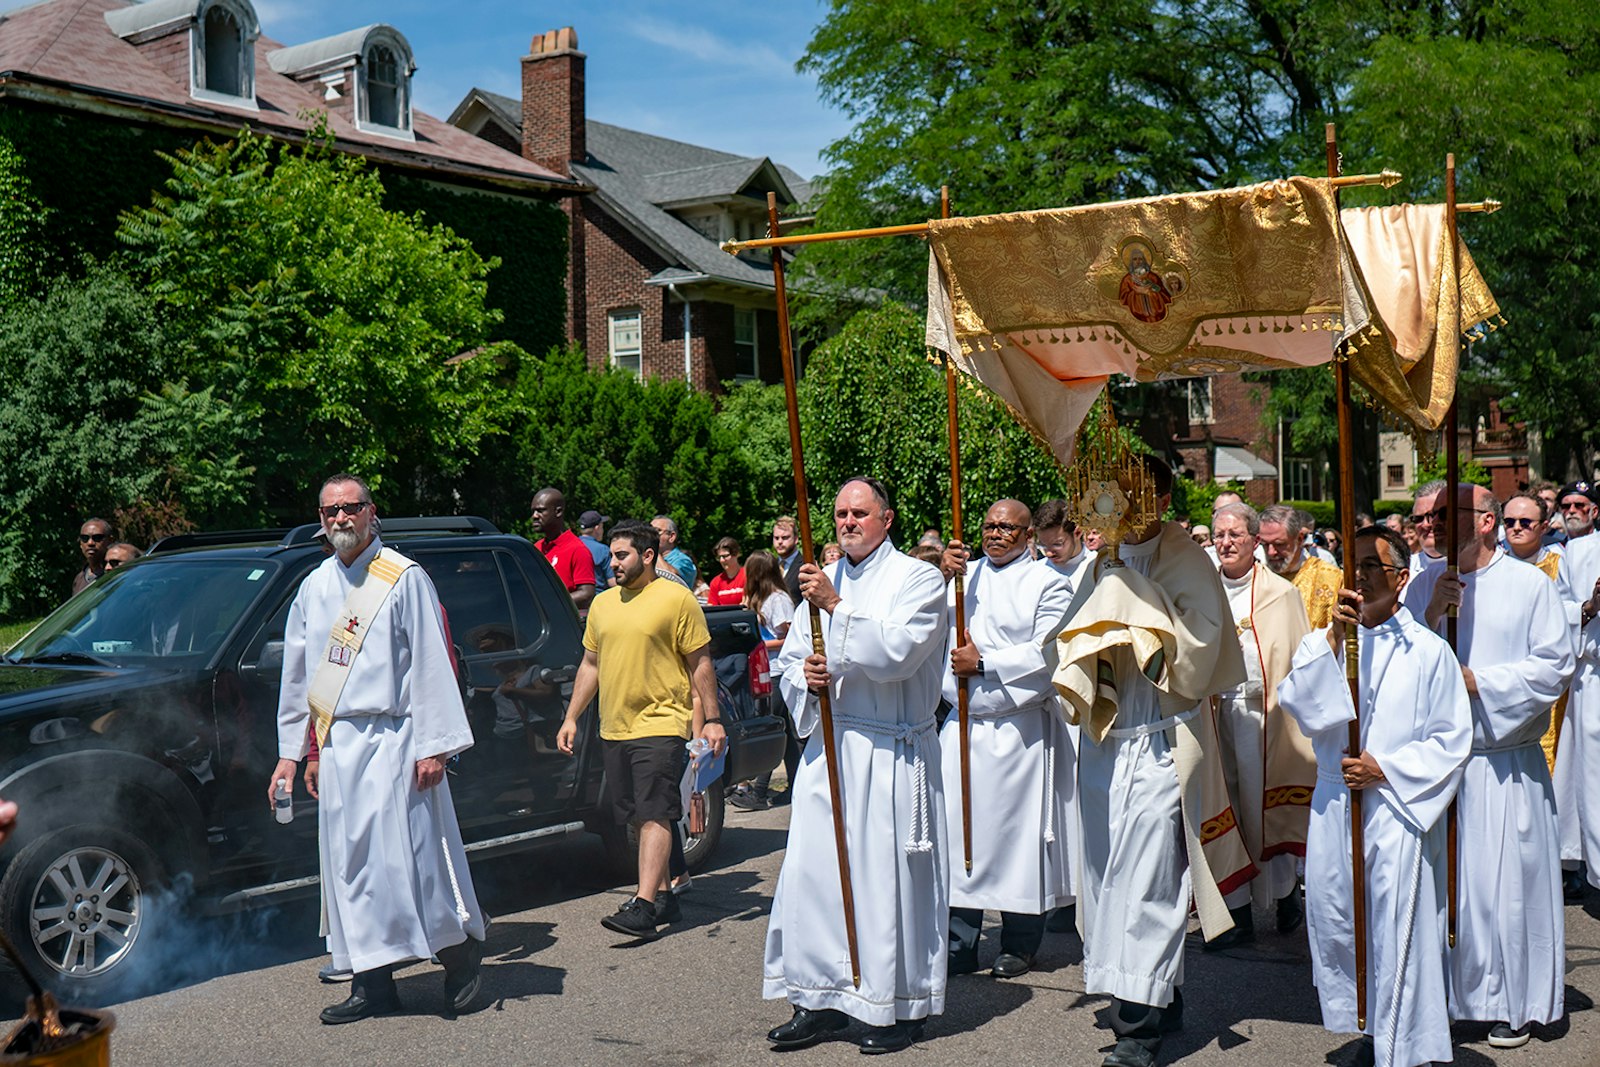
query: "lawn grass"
11, 632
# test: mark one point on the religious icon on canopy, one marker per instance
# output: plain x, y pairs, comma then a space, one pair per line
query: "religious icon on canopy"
1146, 291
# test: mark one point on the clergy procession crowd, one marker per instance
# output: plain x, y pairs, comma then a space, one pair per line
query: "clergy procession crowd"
1113, 743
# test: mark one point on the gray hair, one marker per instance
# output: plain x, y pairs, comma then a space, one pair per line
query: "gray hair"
1430, 488
1287, 517
672, 527
1239, 510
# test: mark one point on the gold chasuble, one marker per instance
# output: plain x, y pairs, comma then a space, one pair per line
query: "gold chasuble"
1319, 583
1550, 564
1278, 620
1181, 612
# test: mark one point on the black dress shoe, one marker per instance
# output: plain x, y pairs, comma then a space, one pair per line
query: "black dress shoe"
1130, 1053
807, 1027
902, 1035
1366, 1054
962, 961
1010, 965
1291, 912
1572, 887
371, 993
1243, 932
463, 965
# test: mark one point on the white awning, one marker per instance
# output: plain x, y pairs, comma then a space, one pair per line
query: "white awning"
1238, 464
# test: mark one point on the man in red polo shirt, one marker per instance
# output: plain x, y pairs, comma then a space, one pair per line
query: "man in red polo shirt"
567, 554
727, 587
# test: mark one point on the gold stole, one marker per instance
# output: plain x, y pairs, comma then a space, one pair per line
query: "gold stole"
349, 632
1550, 564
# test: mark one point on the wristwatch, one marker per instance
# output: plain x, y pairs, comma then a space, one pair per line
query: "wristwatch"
980, 664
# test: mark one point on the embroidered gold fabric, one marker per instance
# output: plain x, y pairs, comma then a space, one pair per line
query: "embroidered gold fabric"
1042, 306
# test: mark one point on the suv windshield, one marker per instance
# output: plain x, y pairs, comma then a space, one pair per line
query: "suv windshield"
175, 609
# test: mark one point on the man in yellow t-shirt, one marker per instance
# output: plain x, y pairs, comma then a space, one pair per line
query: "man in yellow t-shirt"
656, 650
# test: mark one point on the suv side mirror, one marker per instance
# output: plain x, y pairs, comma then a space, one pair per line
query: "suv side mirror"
268, 667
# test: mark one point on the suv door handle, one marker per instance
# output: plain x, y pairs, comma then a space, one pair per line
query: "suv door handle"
558, 676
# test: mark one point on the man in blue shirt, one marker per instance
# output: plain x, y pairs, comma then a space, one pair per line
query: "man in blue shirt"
591, 526
669, 548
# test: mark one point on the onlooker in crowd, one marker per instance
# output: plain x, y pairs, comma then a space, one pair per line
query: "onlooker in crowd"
727, 588
121, 553
1363, 520
94, 537
675, 555
1395, 522
645, 646
927, 553
1308, 526
1549, 493
1330, 540
1578, 501
1282, 531
1201, 535
568, 556
764, 594
1410, 534
786, 546
931, 536
591, 531
832, 553
383, 700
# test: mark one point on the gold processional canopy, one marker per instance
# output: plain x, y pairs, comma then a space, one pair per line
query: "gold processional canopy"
1042, 306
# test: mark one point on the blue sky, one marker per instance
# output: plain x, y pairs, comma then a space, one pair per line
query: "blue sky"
718, 73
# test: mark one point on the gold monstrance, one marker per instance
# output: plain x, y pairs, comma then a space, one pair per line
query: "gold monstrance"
1108, 488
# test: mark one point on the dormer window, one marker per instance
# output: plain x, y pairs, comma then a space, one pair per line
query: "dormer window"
386, 87
224, 54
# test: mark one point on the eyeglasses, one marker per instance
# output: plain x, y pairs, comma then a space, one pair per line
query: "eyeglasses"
1438, 515
1521, 524
1231, 535
329, 511
1370, 567
84, 538
1002, 528
1576, 505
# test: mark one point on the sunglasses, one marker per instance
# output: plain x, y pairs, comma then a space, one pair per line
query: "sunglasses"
85, 538
329, 511
1521, 524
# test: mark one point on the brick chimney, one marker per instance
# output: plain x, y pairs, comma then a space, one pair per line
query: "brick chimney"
552, 101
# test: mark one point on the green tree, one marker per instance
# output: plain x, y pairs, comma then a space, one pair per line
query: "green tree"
95, 421
328, 322
871, 402
22, 217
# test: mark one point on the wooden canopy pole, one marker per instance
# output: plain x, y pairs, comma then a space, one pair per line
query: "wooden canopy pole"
963, 719
1452, 483
803, 512
1352, 637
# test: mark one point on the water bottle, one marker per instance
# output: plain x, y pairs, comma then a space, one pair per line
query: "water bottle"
282, 805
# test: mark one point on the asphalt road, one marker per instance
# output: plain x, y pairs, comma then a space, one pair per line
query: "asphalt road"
560, 989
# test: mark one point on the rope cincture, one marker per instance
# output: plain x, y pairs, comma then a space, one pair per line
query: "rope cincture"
914, 734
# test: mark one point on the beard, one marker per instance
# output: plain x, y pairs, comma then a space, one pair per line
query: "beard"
344, 540
1278, 566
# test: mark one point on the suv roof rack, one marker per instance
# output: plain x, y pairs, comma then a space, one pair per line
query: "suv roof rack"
426, 524
205, 538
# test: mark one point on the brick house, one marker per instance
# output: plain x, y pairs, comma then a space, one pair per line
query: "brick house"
1223, 439
649, 289
92, 90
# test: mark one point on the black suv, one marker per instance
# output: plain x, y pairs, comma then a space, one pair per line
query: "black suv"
138, 729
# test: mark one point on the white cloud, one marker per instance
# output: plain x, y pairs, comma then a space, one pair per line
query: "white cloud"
699, 43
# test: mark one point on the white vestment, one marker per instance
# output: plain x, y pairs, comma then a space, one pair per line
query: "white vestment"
1577, 773
1023, 778
1417, 723
886, 650
1131, 821
395, 882
1510, 955
1241, 727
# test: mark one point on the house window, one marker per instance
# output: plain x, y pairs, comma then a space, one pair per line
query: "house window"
223, 55
1199, 401
746, 358
384, 78
625, 341
1297, 479
1396, 476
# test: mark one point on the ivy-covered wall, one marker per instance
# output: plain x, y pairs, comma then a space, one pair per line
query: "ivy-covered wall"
87, 169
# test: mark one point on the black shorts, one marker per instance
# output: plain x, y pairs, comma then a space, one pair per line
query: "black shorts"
643, 778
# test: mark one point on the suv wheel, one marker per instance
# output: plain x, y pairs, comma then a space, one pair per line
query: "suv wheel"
622, 842
78, 903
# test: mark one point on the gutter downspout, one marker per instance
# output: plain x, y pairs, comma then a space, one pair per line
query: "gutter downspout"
688, 358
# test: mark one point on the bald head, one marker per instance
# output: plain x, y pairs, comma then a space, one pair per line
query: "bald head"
1006, 528
549, 511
